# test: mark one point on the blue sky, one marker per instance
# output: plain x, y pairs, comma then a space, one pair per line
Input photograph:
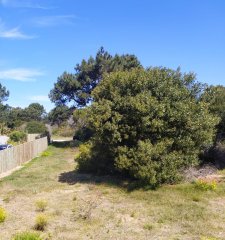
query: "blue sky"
40, 39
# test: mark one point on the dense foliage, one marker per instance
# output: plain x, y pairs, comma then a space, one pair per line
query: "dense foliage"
17, 136
36, 127
215, 96
82, 130
76, 88
148, 124
59, 114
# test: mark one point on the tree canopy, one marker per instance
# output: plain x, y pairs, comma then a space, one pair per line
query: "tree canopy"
76, 88
147, 124
34, 112
59, 114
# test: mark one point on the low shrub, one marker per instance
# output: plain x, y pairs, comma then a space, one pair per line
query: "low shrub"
205, 185
41, 205
41, 222
27, 236
18, 136
2, 214
46, 154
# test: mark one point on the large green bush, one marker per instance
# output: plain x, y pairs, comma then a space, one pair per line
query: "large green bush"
148, 124
36, 127
17, 136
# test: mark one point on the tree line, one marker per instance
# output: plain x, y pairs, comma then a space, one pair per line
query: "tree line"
145, 123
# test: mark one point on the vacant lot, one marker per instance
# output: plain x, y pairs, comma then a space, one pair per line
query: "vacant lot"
86, 207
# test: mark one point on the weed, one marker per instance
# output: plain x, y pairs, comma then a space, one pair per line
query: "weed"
205, 184
196, 199
6, 199
41, 205
133, 214
27, 236
46, 154
2, 214
41, 222
148, 226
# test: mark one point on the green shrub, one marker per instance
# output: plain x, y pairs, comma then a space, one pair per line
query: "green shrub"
41, 222
17, 136
205, 184
147, 124
41, 205
36, 127
27, 236
46, 154
2, 214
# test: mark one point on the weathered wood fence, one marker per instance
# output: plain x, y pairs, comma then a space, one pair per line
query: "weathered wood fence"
32, 137
13, 157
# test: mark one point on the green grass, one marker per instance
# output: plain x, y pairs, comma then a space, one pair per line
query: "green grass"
27, 236
181, 211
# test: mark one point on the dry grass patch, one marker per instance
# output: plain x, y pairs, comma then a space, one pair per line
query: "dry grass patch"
85, 207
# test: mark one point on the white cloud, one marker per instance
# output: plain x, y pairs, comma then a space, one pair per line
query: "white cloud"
23, 4
48, 21
20, 74
39, 98
13, 33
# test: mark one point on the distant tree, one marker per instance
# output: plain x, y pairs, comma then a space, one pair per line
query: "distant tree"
35, 112
59, 114
36, 127
148, 124
16, 117
77, 87
4, 94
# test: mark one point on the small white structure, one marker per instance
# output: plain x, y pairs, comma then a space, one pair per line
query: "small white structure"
3, 139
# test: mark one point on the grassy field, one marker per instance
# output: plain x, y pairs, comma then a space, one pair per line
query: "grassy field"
86, 207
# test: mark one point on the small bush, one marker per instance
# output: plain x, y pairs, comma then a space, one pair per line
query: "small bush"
2, 214
18, 136
46, 154
41, 222
41, 205
27, 236
206, 184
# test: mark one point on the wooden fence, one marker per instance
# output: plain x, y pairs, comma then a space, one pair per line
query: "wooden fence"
32, 137
13, 157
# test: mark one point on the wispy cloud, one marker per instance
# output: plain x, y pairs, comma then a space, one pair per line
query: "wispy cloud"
39, 98
24, 4
48, 21
20, 74
13, 33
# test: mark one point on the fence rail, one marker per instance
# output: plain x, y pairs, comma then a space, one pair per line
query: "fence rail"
13, 157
